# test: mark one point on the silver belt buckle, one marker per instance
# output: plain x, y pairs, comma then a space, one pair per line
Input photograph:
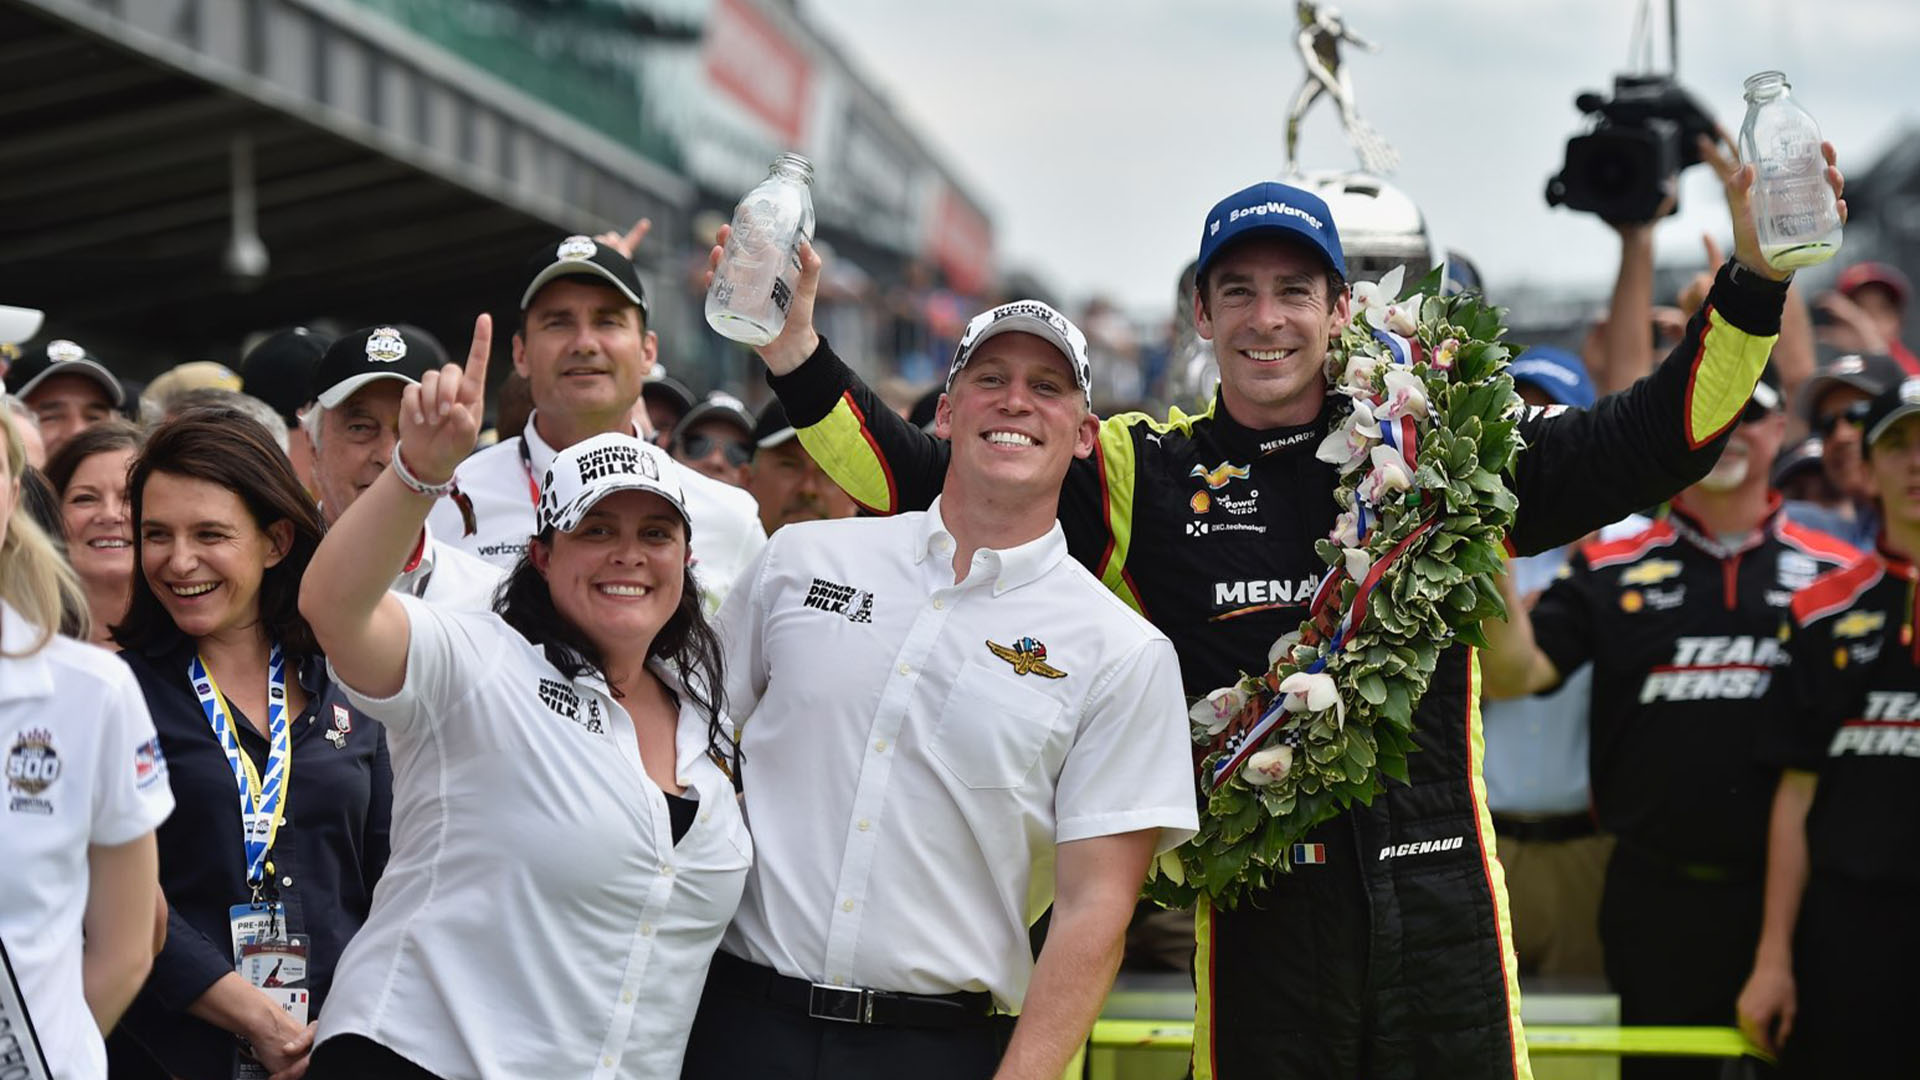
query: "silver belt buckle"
846, 1004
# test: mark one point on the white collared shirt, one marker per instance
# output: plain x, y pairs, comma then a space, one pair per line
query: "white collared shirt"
905, 783
536, 917
446, 575
727, 533
83, 767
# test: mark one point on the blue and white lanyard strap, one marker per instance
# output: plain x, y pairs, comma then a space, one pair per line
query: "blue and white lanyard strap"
262, 802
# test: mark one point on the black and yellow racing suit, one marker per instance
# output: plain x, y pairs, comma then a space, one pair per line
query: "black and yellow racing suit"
1391, 958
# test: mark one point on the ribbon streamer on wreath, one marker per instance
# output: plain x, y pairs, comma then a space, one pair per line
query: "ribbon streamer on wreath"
1277, 712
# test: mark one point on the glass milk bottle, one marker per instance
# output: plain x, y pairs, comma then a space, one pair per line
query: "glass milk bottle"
1793, 208
754, 286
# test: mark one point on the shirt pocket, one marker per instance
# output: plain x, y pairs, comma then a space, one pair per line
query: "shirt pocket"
992, 730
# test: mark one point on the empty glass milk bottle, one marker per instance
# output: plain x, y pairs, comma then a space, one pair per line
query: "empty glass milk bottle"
753, 288
1793, 208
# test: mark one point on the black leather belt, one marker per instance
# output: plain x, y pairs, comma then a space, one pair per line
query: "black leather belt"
1545, 830
849, 1004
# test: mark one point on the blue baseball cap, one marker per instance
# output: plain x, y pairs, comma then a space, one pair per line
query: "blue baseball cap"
1558, 373
1271, 206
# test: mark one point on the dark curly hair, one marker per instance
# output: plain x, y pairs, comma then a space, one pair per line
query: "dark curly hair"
225, 446
687, 641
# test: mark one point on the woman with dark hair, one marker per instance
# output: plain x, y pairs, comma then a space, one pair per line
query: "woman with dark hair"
567, 844
283, 790
90, 476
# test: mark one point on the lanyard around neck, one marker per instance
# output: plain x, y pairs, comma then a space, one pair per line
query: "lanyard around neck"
262, 801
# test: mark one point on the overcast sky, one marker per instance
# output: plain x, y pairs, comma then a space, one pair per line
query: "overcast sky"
1098, 132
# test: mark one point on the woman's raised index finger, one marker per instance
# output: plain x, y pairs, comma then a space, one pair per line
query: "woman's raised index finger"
479, 352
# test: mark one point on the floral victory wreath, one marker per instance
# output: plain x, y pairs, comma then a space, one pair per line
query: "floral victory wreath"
1429, 431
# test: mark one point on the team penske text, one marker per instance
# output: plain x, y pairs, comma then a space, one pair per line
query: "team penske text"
1734, 667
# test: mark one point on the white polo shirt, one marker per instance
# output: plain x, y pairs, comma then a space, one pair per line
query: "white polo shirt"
727, 533
446, 575
83, 767
536, 917
906, 784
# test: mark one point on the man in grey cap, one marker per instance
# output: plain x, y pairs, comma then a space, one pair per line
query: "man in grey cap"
1835, 402
353, 424
712, 439
68, 389
785, 480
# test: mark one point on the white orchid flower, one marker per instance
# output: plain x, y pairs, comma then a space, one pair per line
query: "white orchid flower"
1346, 529
1442, 359
1374, 298
1313, 693
1283, 647
1357, 561
1404, 319
1389, 477
1269, 766
1406, 395
1361, 379
1217, 710
1347, 444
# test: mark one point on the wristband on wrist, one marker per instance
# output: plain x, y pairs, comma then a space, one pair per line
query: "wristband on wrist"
414, 483
1747, 277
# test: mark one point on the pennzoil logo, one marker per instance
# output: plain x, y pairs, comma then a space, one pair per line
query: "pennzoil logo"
1220, 475
1651, 572
32, 767
1028, 657
1856, 624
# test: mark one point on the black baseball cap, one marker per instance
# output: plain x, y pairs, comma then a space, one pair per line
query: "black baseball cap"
1868, 374
393, 351
61, 357
773, 427
1889, 407
1803, 456
1766, 398
584, 255
279, 370
717, 406
670, 390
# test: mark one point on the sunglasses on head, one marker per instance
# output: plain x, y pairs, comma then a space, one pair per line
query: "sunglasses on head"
699, 446
1855, 414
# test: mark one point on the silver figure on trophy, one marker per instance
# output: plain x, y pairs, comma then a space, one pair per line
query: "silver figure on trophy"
1321, 32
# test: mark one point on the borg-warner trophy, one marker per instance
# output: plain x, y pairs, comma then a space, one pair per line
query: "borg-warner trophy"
1321, 32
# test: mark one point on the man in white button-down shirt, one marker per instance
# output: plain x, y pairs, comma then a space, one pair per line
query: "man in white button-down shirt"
585, 348
948, 725
353, 425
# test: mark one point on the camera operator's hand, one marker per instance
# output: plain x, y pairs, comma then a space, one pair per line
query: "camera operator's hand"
1738, 179
797, 339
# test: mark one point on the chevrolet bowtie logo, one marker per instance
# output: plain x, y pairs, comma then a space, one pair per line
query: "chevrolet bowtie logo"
1218, 476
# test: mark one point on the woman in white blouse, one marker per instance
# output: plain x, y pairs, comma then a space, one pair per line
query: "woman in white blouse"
566, 843
84, 786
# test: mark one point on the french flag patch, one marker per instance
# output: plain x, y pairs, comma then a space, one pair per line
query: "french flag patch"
1309, 854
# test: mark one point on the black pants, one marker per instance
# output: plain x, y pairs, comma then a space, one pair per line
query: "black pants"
1678, 943
1856, 957
355, 1057
737, 1038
